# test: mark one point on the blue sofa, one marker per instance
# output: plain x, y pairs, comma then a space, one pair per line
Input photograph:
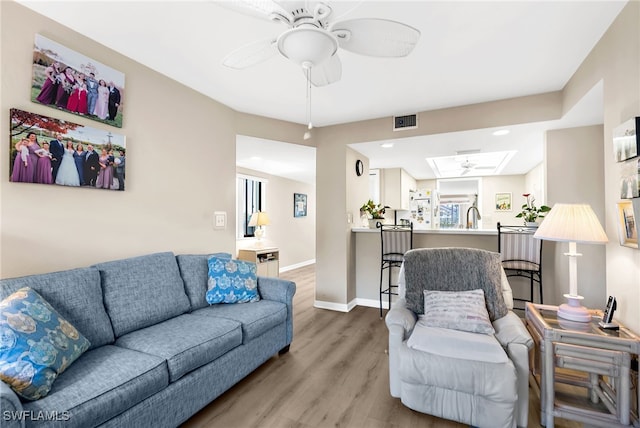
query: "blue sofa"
159, 352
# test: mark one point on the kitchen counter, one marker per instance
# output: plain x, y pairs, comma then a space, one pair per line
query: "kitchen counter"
491, 232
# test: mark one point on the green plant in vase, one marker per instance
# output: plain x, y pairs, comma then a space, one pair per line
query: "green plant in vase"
374, 212
530, 213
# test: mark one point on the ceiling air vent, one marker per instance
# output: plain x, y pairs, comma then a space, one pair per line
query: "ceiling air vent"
401, 123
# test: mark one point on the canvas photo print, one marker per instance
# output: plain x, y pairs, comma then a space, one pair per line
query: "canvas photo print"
626, 141
49, 151
69, 81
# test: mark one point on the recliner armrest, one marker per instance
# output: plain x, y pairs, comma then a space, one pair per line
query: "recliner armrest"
510, 329
11, 408
400, 315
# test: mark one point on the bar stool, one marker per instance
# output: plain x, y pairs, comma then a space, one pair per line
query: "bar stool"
395, 241
521, 255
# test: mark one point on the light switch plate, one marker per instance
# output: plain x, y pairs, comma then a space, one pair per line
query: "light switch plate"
219, 220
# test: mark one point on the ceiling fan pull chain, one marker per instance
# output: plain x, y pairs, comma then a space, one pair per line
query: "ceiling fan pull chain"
309, 89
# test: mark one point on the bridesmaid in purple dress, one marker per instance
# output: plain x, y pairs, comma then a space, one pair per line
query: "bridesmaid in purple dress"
49, 89
105, 176
22, 160
65, 87
32, 146
43, 169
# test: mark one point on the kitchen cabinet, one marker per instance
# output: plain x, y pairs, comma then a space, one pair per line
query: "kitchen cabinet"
396, 185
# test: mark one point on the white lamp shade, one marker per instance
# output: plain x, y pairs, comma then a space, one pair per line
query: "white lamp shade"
572, 223
259, 219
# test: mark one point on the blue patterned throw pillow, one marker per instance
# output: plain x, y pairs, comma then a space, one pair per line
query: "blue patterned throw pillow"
36, 344
231, 281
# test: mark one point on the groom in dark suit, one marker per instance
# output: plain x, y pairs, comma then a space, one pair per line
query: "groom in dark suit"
57, 151
114, 101
91, 166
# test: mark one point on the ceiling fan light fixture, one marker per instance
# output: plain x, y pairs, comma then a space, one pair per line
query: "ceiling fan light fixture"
307, 45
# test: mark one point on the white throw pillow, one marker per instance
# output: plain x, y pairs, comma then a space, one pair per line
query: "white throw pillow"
457, 310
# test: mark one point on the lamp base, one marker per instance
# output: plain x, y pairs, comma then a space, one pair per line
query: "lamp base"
573, 310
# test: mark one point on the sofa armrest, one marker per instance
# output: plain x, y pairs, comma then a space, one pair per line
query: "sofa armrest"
510, 329
11, 408
279, 290
276, 289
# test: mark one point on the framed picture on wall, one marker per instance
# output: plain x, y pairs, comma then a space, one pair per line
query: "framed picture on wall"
503, 201
55, 152
299, 205
67, 80
627, 226
630, 179
626, 140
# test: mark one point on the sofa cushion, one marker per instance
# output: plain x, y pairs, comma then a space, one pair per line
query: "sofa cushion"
194, 269
457, 310
142, 291
232, 281
256, 318
101, 384
186, 341
77, 296
36, 343
457, 344
495, 381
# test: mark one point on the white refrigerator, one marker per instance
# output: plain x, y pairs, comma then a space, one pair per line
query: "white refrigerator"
424, 208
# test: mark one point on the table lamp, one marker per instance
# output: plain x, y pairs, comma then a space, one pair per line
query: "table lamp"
572, 223
259, 219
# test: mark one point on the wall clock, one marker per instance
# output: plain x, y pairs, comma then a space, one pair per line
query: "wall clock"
359, 167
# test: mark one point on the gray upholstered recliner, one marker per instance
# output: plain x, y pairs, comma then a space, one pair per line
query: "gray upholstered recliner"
474, 378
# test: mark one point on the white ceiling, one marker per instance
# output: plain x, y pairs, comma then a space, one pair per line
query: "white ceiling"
469, 52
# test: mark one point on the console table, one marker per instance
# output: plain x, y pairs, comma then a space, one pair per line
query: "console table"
589, 359
267, 260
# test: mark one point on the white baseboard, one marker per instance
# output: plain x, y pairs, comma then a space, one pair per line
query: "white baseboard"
341, 307
371, 303
297, 265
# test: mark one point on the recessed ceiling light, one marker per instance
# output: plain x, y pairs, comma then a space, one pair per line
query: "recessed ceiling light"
255, 158
501, 132
386, 145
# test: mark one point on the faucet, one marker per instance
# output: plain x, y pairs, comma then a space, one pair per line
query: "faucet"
473, 224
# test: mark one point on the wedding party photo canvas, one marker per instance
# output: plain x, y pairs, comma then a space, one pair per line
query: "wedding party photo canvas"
67, 80
50, 151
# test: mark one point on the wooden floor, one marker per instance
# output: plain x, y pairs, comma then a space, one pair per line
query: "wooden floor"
335, 375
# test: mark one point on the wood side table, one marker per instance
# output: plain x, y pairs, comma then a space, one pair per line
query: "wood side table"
587, 357
267, 260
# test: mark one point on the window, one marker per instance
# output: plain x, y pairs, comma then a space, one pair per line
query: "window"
251, 198
456, 198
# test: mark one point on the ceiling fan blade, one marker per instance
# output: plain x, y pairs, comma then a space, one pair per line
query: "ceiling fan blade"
264, 9
327, 72
251, 54
376, 37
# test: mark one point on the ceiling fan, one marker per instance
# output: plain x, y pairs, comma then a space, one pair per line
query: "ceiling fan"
467, 167
312, 40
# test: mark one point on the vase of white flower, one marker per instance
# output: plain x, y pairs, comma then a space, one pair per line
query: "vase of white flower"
530, 213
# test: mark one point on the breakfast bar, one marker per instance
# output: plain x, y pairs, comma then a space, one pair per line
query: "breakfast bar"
367, 253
